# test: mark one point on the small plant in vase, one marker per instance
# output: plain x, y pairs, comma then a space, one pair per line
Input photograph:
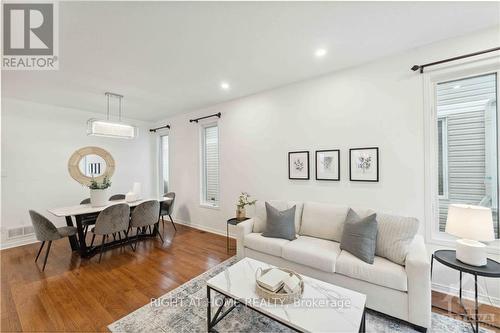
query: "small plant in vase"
99, 192
243, 200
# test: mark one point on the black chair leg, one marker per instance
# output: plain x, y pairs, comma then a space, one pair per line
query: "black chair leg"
39, 251
127, 240
102, 247
46, 255
172, 220
157, 229
163, 222
92, 242
136, 239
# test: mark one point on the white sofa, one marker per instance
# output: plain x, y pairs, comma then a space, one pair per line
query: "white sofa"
399, 289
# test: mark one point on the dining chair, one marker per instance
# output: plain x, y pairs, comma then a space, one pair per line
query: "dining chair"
117, 197
46, 231
145, 215
167, 208
112, 220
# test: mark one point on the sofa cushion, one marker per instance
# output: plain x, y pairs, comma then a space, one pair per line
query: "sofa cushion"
395, 234
323, 220
272, 246
260, 218
280, 224
359, 236
313, 252
382, 272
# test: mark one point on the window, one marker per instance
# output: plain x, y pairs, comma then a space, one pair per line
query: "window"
164, 184
467, 144
210, 166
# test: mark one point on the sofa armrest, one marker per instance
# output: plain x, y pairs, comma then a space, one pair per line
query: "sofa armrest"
418, 271
242, 229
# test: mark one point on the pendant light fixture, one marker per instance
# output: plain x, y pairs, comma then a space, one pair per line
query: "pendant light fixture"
107, 128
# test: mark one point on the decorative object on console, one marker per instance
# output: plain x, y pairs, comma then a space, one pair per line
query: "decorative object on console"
359, 236
472, 224
270, 285
243, 200
328, 164
298, 165
280, 224
107, 128
99, 192
364, 164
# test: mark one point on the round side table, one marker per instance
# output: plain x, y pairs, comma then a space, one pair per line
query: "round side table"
232, 221
491, 269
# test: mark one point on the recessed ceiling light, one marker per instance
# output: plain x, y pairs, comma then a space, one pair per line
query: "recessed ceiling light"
224, 85
456, 87
320, 53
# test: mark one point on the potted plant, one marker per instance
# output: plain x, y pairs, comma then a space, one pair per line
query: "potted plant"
243, 200
99, 192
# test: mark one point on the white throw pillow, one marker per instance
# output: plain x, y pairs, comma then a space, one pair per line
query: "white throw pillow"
260, 218
323, 220
395, 233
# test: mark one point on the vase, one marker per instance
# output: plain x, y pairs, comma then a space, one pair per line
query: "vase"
98, 198
240, 213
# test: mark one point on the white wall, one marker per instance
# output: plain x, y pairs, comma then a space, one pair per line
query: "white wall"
378, 104
37, 141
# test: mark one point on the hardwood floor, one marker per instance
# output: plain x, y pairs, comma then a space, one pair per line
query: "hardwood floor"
83, 295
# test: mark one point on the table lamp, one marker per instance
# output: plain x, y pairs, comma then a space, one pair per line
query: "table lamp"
471, 224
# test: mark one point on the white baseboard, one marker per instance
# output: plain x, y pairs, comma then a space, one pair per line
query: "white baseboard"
202, 227
466, 294
18, 242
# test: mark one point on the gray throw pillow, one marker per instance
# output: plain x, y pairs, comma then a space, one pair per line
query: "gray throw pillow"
280, 224
360, 236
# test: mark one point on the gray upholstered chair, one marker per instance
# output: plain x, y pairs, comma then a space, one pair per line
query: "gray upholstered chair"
145, 215
112, 220
85, 201
117, 197
46, 231
167, 208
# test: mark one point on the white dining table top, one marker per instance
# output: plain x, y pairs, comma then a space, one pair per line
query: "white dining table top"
88, 209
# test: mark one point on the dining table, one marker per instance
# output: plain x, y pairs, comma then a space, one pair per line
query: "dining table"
79, 213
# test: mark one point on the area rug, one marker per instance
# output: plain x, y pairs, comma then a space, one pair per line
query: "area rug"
184, 310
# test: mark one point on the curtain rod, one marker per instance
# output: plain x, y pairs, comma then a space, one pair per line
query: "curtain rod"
212, 115
421, 67
159, 128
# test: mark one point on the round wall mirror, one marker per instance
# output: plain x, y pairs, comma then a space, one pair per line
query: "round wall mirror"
90, 162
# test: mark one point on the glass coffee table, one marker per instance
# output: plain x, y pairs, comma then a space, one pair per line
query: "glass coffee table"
322, 307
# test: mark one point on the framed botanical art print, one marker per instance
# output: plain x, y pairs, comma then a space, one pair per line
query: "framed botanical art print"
298, 165
328, 164
364, 164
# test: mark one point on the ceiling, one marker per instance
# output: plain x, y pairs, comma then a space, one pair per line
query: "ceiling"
170, 57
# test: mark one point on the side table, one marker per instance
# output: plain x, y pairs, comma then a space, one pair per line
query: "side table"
491, 269
232, 221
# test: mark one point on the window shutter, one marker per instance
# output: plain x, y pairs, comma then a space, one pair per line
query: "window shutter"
211, 163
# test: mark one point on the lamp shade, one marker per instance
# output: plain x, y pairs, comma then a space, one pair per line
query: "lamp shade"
470, 222
110, 129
